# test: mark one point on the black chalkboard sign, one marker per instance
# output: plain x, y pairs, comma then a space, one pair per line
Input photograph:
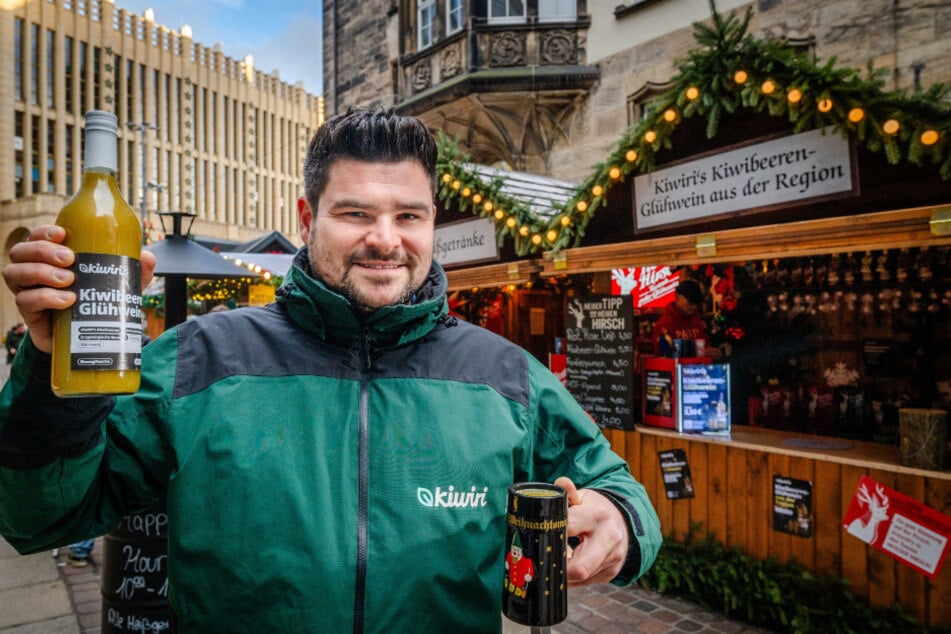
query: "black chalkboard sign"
600, 333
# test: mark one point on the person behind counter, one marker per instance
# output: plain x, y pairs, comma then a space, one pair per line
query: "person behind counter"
681, 318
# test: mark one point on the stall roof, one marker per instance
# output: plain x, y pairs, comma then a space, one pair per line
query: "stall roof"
277, 263
541, 193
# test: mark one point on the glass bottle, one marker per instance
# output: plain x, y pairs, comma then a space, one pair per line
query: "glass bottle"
97, 342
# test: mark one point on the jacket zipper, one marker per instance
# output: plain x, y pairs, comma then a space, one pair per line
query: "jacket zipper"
363, 475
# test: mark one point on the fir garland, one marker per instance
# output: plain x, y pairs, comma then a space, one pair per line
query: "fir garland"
730, 71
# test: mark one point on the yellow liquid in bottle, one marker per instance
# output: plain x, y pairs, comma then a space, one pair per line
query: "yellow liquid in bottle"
97, 221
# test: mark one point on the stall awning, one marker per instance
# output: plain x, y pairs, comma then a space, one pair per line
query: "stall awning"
891, 229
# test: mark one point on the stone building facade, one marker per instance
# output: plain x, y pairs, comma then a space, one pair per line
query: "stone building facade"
199, 131
486, 78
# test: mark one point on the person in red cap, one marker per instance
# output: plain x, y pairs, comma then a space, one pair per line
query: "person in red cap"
681, 319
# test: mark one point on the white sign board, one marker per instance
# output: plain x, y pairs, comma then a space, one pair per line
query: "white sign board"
805, 166
466, 242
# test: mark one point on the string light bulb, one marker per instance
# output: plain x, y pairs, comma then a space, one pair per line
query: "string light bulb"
488, 205
740, 77
499, 214
929, 137
692, 93
446, 177
466, 191
650, 136
552, 235
768, 87
511, 222
794, 95
856, 114
824, 105
581, 206
891, 126
456, 184
631, 156
597, 190
565, 221
614, 173
523, 230
477, 198
536, 239
670, 115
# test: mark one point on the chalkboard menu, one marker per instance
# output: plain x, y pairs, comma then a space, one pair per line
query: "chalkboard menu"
600, 333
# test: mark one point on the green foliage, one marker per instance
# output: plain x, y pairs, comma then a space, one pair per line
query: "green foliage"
708, 75
766, 593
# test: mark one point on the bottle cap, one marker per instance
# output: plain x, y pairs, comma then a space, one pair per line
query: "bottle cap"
101, 120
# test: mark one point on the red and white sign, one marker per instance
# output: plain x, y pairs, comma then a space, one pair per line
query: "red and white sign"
650, 286
914, 534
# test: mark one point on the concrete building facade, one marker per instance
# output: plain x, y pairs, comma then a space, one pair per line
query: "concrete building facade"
200, 132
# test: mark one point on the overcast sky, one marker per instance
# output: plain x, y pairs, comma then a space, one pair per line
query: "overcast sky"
282, 35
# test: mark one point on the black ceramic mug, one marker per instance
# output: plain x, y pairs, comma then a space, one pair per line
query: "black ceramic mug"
535, 586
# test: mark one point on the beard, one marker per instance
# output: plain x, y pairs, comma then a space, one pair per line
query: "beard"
360, 293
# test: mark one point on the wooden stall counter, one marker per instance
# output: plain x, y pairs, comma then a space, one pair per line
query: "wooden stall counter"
733, 484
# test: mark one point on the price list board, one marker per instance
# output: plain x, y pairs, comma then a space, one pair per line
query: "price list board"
600, 333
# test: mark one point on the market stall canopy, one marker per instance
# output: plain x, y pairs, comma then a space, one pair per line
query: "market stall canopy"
276, 263
178, 258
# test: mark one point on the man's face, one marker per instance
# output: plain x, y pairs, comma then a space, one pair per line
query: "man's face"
684, 305
371, 236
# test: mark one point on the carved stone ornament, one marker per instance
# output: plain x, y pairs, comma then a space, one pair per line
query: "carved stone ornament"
450, 63
507, 49
559, 47
422, 76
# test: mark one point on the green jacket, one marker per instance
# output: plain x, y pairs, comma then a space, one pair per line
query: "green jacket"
308, 460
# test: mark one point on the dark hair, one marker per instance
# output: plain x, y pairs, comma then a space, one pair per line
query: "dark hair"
692, 291
366, 135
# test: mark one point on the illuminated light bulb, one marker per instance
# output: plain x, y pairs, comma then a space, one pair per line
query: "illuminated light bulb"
267, 275
825, 105
692, 93
565, 221
488, 205
891, 126
237, 262
768, 87
499, 214
650, 136
511, 222
477, 198
740, 76
446, 177
631, 156
536, 239
614, 173
523, 230
456, 184
929, 137
466, 191
597, 190
856, 115
552, 235
794, 95
582, 205
670, 115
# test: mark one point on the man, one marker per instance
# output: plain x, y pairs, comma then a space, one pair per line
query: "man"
337, 461
681, 318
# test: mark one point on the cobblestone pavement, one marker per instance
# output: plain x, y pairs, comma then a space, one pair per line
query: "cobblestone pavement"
601, 609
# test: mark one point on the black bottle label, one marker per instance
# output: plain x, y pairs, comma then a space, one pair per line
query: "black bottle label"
106, 329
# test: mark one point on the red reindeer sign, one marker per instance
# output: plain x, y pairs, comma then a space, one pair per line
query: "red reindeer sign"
898, 525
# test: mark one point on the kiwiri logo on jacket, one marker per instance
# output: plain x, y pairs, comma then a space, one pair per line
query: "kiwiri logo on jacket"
450, 498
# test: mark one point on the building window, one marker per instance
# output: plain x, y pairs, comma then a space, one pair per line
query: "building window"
50, 68
50, 157
506, 11
18, 59
83, 67
97, 77
453, 16
68, 153
35, 64
425, 17
34, 154
68, 72
18, 166
557, 10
